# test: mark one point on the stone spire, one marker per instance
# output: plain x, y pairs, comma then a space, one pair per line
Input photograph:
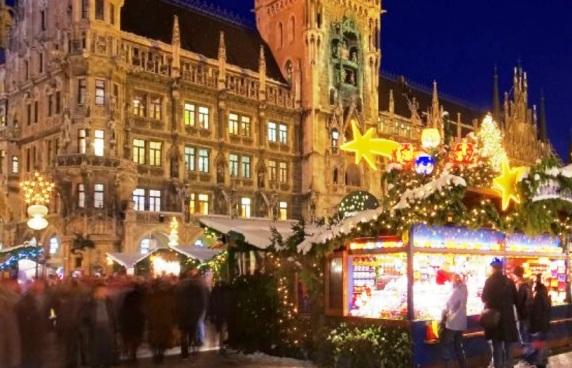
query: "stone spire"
496, 98
542, 122
262, 73
436, 117
176, 44
391, 106
221, 62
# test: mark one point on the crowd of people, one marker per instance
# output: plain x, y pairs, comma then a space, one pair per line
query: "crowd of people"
516, 312
95, 322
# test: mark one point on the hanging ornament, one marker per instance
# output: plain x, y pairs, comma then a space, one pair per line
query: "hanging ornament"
462, 153
507, 184
405, 155
367, 147
424, 164
430, 138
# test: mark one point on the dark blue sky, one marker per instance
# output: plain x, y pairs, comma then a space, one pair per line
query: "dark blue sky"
458, 43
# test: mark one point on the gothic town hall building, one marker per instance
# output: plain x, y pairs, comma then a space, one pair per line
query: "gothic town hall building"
145, 110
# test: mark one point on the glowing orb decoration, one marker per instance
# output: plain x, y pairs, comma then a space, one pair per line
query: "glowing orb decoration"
507, 184
430, 138
424, 164
463, 153
366, 146
406, 154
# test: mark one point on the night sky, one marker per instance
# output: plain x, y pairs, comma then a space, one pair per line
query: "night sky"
458, 43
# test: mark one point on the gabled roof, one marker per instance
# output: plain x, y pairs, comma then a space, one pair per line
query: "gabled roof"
402, 89
200, 32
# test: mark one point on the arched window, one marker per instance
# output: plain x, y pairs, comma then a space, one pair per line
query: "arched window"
280, 35
335, 137
292, 29
54, 246
353, 176
335, 179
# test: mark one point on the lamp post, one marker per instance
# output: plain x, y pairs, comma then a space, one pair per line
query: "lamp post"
37, 192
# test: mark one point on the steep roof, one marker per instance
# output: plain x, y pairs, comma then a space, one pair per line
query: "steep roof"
402, 90
200, 30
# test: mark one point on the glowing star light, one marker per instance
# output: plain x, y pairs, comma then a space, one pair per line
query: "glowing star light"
506, 184
367, 147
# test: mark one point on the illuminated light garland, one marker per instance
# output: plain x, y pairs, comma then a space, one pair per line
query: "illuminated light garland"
38, 190
11, 258
367, 147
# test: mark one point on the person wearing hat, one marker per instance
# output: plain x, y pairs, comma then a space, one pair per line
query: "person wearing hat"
500, 297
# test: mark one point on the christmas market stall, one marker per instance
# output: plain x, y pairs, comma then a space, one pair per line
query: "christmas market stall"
408, 279
21, 262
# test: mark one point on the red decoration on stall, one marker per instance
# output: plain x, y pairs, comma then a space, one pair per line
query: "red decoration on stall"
463, 153
405, 155
443, 277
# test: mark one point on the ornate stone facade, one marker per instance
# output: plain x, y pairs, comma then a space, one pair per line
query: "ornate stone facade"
144, 110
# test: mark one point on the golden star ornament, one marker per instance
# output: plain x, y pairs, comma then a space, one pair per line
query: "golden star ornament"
506, 184
367, 147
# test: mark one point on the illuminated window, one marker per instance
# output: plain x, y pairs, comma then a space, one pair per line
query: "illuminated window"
245, 163
81, 91
80, 196
54, 246
283, 134
99, 92
155, 153
245, 207
139, 151
233, 124
189, 114
139, 199
233, 165
272, 133
335, 140
204, 117
15, 165
283, 210
199, 204
283, 173
99, 9
245, 126
98, 195
146, 246
154, 201
203, 160
155, 108
272, 171
82, 135
190, 158
99, 143
139, 106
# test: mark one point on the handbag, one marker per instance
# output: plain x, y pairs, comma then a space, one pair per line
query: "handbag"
490, 318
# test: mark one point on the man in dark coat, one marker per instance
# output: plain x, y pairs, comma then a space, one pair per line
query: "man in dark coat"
161, 318
102, 326
220, 309
33, 312
69, 307
500, 294
132, 321
191, 306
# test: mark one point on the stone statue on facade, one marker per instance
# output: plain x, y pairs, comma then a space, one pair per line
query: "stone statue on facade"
65, 131
220, 168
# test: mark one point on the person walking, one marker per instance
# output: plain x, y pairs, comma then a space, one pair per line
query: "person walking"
499, 296
540, 323
523, 306
33, 312
132, 321
161, 318
190, 308
102, 326
455, 318
9, 335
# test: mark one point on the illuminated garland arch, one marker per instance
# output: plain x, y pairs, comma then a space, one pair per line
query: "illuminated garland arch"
356, 202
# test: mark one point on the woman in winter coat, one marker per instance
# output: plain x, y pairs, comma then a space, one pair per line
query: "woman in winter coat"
102, 327
540, 323
161, 318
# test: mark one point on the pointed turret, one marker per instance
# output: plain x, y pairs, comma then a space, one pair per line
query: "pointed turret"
221, 62
262, 73
496, 98
391, 106
176, 44
543, 132
436, 117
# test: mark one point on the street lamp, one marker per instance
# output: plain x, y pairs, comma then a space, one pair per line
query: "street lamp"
37, 192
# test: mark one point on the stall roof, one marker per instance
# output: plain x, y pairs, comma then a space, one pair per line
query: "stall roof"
256, 231
201, 254
129, 260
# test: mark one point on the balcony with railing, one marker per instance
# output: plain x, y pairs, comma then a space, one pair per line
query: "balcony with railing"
72, 160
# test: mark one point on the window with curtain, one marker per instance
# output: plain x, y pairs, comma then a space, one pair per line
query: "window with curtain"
155, 153
204, 160
139, 151
233, 127
189, 114
203, 117
99, 143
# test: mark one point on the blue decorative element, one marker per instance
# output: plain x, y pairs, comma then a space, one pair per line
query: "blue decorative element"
424, 164
10, 259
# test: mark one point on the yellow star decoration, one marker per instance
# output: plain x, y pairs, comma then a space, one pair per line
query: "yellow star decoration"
366, 147
506, 184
